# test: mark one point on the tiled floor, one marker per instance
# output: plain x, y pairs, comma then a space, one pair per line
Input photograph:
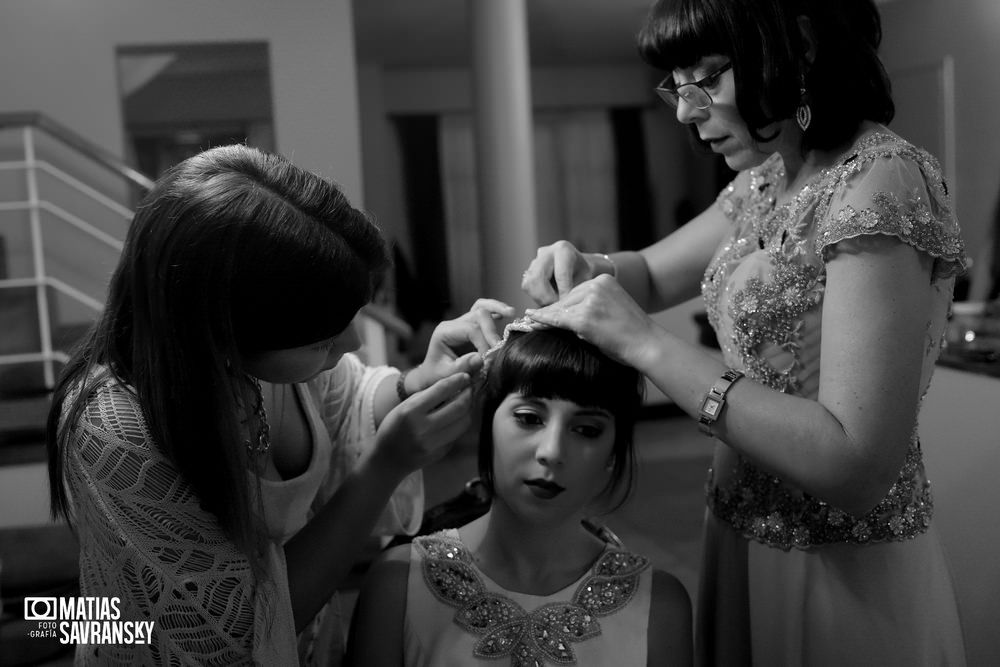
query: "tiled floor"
663, 518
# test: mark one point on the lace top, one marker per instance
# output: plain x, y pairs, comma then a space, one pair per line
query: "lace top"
456, 615
145, 539
764, 292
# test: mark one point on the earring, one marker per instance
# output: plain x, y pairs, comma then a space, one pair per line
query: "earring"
803, 114
611, 464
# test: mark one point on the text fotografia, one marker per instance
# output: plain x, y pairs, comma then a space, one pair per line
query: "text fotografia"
84, 620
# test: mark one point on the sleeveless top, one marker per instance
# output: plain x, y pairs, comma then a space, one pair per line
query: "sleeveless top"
456, 615
763, 292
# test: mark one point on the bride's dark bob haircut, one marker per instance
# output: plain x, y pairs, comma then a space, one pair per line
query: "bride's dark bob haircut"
557, 364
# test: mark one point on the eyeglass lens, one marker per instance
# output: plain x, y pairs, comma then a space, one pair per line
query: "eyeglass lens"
691, 93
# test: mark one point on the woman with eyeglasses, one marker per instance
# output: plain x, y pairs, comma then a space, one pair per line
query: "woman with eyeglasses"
826, 267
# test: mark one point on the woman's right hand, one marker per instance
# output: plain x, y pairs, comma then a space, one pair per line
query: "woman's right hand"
422, 428
556, 269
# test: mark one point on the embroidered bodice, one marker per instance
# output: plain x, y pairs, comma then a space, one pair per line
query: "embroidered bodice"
764, 290
554, 632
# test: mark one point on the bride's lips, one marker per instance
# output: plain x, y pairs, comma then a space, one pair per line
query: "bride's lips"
544, 489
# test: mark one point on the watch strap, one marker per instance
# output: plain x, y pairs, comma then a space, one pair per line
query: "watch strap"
715, 400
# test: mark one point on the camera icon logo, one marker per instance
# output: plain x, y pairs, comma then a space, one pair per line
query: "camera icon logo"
40, 609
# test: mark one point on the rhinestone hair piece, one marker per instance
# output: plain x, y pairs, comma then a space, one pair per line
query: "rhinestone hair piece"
523, 324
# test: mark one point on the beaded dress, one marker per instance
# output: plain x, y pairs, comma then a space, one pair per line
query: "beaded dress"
457, 616
813, 585
145, 539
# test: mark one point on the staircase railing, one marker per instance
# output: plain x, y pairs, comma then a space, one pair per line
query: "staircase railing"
30, 125
377, 321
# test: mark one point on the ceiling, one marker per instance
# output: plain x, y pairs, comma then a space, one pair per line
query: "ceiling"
434, 33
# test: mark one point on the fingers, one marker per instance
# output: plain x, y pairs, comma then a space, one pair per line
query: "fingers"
495, 307
565, 261
477, 327
486, 335
471, 363
536, 281
442, 391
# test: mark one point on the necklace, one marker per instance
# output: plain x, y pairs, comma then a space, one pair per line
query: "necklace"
264, 428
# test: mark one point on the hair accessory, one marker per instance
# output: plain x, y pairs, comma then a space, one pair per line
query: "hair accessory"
401, 386
803, 114
522, 324
715, 400
611, 263
264, 431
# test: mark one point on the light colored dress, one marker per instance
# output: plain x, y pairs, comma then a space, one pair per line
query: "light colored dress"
788, 579
457, 616
145, 539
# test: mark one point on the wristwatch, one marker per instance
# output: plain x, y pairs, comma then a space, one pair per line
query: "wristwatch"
715, 400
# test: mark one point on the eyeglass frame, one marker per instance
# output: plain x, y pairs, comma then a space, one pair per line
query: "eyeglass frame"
672, 97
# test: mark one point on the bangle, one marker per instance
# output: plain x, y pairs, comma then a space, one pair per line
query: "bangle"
401, 386
715, 400
611, 262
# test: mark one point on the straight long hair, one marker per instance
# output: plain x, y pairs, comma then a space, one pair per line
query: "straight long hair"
233, 251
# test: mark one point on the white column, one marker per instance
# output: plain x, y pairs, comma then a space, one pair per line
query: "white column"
504, 151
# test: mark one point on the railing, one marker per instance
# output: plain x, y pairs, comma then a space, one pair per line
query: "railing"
376, 322
30, 124
85, 147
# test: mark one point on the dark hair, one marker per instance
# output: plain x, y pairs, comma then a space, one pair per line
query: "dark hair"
556, 363
845, 84
233, 251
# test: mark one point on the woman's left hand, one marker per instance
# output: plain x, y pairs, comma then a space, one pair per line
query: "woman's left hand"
601, 312
446, 351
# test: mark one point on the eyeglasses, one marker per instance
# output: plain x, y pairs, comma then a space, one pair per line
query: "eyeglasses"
693, 93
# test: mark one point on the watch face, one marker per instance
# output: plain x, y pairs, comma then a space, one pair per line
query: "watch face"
711, 407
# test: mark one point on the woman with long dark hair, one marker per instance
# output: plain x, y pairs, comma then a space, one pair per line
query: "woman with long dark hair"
220, 450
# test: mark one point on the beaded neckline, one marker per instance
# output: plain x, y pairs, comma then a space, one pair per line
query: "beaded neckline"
545, 634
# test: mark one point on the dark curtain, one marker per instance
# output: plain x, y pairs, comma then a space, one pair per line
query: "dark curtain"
635, 201
422, 283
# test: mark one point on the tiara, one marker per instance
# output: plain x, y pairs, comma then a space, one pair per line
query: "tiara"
523, 324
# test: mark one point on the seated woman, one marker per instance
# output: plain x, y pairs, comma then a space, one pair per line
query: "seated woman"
528, 580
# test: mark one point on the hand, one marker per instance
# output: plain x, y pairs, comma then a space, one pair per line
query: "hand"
422, 428
556, 269
445, 352
601, 312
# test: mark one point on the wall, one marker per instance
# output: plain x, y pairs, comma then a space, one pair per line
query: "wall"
71, 75
58, 57
925, 31
959, 427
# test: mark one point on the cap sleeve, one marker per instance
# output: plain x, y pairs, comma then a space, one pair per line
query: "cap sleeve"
894, 190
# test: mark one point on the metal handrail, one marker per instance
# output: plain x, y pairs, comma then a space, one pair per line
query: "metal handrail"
384, 318
30, 124
89, 149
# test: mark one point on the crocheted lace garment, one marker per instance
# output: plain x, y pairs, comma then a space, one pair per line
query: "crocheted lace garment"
144, 539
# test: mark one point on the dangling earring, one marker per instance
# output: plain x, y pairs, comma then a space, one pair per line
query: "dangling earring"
803, 114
